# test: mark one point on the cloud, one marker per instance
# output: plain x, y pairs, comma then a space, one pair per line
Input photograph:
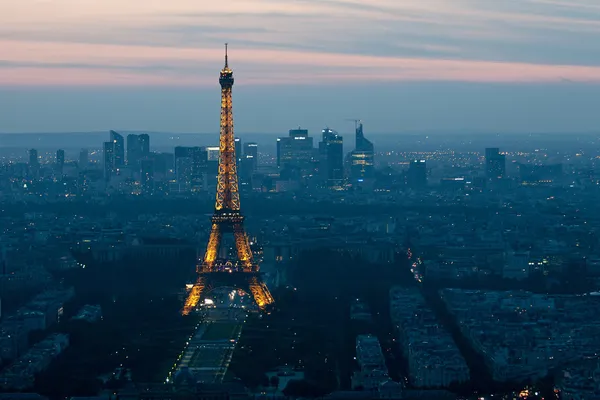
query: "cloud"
178, 42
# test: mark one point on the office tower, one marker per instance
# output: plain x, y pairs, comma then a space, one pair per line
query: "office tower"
34, 161
192, 165
362, 164
144, 141
118, 150
60, 160
238, 150
138, 148
147, 173
417, 174
251, 153
331, 152
163, 162
109, 160
83, 159
183, 170
295, 152
34, 164
134, 153
213, 153
495, 163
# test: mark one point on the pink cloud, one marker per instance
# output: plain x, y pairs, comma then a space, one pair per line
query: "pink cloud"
85, 64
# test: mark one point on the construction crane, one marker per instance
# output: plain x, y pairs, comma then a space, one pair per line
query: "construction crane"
356, 122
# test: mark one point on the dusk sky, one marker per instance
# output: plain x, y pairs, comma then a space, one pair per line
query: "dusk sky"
400, 65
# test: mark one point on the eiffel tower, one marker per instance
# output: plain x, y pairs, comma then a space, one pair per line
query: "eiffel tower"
242, 273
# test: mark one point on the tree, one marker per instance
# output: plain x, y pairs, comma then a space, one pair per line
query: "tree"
274, 381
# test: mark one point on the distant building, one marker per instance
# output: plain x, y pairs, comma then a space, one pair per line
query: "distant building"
109, 160
60, 161
362, 159
331, 153
495, 163
251, 155
147, 174
540, 174
163, 162
34, 161
138, 148
417, 174
295, 153
192, 166
83, 159
118, 149
213, 153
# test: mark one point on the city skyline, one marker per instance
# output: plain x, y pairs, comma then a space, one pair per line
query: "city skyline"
72, 66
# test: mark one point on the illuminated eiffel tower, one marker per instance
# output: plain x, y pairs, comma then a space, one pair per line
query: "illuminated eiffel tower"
242, 273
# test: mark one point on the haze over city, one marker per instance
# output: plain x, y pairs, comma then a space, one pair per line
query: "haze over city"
402, 65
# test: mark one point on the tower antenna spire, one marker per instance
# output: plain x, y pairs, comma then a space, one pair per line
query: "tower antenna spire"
226, 56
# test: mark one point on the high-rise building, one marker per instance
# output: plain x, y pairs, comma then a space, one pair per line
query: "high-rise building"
495, 163
362, 164
133, 151
138, 148
163, 163
213, 153
295, 153
109, 160
33, 158
144, 140
192, 165
60, 160
417, 174
34, 163
118, 149
83, 159
331, 152
251, 155
147, 173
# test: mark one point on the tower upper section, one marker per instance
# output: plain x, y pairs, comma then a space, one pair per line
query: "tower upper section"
226, 76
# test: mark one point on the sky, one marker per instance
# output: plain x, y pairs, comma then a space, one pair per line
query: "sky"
399, 65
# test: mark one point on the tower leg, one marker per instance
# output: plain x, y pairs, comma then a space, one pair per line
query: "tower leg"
212, 250
260, 292
194, 296
243, 247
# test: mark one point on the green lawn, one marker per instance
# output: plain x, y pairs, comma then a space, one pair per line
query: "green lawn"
219, 331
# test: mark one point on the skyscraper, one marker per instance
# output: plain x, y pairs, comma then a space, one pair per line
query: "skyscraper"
109, 160
34, 164
362, 164
192, 166
495, 163
331, 152
118, 149
144, 140
147, 174
33, 158
138, 148
83, 159
295, 150
133, 150
417, 174
60, 161
251, 155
